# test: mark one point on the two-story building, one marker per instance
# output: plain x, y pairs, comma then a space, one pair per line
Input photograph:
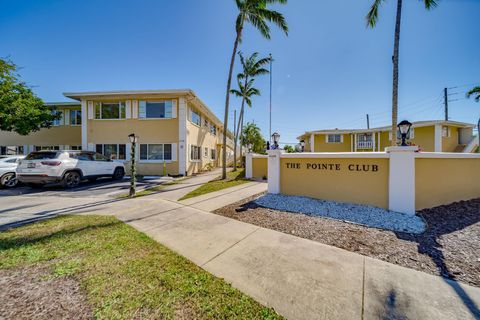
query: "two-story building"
176, 130
431, 136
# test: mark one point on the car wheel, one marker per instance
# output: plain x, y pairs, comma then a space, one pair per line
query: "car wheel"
118, 174
9, 180
71, 179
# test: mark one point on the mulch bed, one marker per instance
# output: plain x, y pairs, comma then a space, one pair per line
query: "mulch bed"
32, 293
450, 246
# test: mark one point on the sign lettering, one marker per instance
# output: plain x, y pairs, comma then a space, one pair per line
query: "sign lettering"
333, 166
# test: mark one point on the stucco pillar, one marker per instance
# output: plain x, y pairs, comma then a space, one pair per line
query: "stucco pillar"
274, 170
182, 136
401, 186
438, 138
249, 165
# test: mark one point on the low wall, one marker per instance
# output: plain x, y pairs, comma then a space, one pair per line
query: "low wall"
440, 181
260, 167
399, 179
354, 180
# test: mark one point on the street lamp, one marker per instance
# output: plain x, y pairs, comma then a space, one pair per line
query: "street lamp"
276, 139
249, 147
302, 145
133, 169
404, 128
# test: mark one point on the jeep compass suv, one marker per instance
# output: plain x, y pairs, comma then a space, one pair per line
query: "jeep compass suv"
66, 167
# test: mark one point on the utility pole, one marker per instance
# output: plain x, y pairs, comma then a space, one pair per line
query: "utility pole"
445, 97
270, 130
368, 121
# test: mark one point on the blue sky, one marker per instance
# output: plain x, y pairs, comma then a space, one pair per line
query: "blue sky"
329, 72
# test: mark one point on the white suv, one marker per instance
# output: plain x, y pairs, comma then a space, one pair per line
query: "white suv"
67, 167
8, 165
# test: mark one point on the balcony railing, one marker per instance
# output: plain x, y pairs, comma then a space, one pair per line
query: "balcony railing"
364, 144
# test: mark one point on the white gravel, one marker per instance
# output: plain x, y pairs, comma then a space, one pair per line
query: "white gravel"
360, 214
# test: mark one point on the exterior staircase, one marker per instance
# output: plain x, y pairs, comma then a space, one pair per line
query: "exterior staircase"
472, 145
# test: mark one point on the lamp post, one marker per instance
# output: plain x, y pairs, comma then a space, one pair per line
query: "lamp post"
249, 147
302, 145
404, 128
133, 169
276, 139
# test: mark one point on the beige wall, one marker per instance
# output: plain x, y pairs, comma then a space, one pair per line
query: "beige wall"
322, 146
201, 136
153, 169
260, 167
424, 137
443, 181
369, 188
61, 135
449, 144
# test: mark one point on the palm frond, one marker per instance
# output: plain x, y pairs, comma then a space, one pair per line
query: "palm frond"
274, 17
474, 92
372, 15
430, 4
259, 23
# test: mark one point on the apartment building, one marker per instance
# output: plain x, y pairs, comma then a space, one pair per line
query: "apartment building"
430, 136
177, 132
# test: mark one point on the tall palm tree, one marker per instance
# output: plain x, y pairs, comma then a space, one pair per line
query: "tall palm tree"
246, 92
474, 92
251, 69
257, 13
372, 18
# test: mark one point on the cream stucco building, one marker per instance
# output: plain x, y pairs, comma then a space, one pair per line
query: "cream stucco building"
175, 129
430, 136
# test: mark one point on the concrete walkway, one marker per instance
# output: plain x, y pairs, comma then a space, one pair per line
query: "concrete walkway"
301, 279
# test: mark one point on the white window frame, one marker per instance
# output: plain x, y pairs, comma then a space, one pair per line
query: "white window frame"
163, 153
73, 114
213, 154
192, 111
117, 158
52, 148
58, 122
446, 132
120, 103
213, 129
327, 138
18, 150
196, 152
142, 109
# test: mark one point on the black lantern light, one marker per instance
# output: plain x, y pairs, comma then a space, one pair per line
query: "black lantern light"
404, 128
302, 145
276, 139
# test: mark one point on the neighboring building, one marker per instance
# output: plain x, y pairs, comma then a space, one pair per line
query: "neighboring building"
430, 136
64, 134
175, 129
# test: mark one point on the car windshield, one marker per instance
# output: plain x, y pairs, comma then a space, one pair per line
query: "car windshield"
42, 155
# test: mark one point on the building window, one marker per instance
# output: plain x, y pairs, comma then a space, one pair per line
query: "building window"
59, 121
205, 123
205, 152
11, 150
213, 129
39, 148
213, 154
155, 109
334, 138
76, 148
445, 132
156, 152
112, 151
75, 117
110, 110
194, 153
195, 117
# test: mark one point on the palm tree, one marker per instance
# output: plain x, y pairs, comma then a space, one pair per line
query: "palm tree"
246, 92
474, 92
372, 18
255, 12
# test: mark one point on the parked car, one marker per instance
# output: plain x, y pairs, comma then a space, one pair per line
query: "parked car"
67, 167
8, 165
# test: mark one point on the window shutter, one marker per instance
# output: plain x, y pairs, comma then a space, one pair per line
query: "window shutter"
128, 109
341, 138
135, 109
67, 117
174, 109
142, 109
326, 138
90, 110
174, 152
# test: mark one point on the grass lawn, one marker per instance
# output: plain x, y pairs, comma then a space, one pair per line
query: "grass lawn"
124, 273
233, 179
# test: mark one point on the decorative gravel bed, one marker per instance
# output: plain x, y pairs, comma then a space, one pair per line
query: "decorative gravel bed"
365, 215
449, 246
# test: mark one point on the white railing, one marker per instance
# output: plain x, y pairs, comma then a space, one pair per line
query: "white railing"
364, 144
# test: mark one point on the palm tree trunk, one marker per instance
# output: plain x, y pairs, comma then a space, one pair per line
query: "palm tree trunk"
240, 121
227, 104
396, 48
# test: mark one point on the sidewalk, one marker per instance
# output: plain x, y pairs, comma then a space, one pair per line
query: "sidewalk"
301, 279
